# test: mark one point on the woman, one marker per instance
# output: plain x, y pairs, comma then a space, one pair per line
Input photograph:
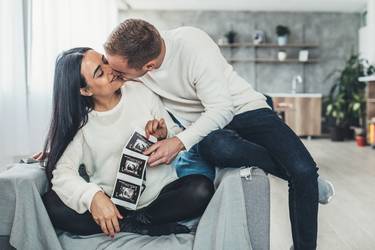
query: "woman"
93, 117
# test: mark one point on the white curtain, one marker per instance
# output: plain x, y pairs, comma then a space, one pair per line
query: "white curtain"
14, 138
56, 25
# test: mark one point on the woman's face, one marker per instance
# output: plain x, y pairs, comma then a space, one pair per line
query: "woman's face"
99, 76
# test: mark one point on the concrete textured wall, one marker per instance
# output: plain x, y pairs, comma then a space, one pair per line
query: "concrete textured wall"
336, 34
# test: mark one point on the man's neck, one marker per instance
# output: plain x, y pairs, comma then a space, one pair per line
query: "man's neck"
161, 57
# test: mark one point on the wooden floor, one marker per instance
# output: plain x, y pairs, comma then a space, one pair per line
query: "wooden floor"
348, 222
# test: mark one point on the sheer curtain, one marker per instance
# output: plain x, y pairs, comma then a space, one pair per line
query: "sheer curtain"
55, 25
59, 25
13, 102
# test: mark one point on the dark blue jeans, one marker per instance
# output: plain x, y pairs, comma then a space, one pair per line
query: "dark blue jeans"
260, 138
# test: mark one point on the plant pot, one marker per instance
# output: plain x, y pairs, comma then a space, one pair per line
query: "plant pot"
338, 133
282, 55
282, 40
360, 140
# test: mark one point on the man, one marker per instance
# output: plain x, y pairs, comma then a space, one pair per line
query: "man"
227, 122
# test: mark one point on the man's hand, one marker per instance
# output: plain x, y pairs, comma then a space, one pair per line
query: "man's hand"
163, 152
105, 214
156, 128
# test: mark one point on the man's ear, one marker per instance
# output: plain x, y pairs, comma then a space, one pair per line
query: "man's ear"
150, 65
85, 91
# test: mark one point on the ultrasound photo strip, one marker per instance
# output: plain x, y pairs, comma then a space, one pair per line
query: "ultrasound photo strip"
129, 182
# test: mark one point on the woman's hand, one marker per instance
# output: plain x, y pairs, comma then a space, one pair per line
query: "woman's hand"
156, 128
40, 156
105, 214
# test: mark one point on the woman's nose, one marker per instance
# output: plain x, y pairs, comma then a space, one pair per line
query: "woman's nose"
107, 69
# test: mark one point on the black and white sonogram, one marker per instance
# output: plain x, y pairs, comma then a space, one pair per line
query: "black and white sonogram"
138, 143
126, 191
132, 166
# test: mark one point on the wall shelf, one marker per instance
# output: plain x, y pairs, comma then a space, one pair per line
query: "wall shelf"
275, 61
268, 45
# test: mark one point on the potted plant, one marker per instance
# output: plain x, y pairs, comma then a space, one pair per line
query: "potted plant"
346, 100
336, 110
283, 33
360, 136
231, 36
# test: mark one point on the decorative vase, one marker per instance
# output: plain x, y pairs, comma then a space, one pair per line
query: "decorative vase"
281, 55
282, 40
259, 37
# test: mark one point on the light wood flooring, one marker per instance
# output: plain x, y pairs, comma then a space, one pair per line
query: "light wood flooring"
348, 222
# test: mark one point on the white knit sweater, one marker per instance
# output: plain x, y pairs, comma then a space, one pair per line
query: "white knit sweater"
198, 85
99, 146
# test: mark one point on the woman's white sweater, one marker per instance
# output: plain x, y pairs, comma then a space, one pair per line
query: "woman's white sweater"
99, 146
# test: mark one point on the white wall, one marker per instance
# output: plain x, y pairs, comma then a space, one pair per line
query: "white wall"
371, 31
367, 34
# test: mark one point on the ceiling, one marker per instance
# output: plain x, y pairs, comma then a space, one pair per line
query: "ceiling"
249, 5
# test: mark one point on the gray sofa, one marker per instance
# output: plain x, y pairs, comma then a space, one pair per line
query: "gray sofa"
28, 180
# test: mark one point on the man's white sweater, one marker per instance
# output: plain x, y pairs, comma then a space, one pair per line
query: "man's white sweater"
198, 85
99, 146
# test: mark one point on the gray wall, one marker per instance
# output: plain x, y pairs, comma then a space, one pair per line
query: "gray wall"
336, 34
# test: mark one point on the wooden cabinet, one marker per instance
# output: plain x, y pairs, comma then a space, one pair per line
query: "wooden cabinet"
302, 112
370, 110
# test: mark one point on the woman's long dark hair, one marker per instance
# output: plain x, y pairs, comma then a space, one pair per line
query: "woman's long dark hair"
70, 109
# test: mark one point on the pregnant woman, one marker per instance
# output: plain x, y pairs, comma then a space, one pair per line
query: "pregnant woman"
94, 115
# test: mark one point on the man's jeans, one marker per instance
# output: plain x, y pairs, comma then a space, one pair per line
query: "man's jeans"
259, 138
190, 162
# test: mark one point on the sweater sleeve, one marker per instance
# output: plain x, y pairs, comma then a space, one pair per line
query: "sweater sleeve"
159, 111
71, 188
207, 69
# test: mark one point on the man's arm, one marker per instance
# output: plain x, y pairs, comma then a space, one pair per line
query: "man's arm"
207, 68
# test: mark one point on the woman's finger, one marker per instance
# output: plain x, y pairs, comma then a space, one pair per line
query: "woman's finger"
118, 214
37, 155
115, 224
110, 227
103, 226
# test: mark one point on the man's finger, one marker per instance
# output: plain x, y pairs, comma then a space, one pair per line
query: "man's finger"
158, 162
146, 130
151, 149
154, 157
155, 126
162, 123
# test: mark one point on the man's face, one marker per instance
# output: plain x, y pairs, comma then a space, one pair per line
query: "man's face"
120, 67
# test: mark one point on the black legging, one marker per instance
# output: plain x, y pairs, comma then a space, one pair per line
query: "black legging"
184, 198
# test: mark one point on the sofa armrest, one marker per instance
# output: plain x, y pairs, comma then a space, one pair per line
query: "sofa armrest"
18, 178
33, 174
256, 187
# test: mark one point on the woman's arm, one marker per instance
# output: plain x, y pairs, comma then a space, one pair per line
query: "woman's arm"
80, 195
72, 189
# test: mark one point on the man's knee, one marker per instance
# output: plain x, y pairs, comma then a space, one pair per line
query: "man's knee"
217, 145
305, 174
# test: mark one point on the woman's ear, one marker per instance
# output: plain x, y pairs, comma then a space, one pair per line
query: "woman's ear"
85, 91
